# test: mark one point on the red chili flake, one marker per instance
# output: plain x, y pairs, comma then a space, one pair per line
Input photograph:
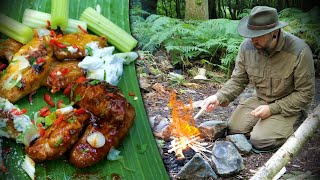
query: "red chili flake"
58, 120
42, 131
3, 168
44, 111
30, 96
2, 66
17, 112
80, 80
75, 46
53, 34
110, 94
83, 30
65, 71
40, 60
80, 111
132, 94
61, 104
67, 90
48, 23
48, 100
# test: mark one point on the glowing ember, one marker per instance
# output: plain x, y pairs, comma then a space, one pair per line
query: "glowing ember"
183, 129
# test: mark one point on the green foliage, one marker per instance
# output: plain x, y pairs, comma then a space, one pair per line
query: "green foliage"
305, 25
216, 40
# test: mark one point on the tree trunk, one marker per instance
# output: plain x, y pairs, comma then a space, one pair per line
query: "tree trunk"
196, 10
212, 9
150, 6
290, 148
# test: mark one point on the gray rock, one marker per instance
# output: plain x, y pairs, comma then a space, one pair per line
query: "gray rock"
213, 129
226, 158
241, 142
196, 168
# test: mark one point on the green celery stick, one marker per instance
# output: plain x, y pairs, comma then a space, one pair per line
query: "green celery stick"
59, 14
102, 26
36, 19
15, 29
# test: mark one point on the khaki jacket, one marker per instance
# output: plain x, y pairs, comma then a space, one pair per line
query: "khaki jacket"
284, 79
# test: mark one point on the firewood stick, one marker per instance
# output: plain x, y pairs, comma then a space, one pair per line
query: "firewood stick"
200, 112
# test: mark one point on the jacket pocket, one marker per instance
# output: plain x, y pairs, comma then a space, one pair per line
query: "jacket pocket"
257, 79
282, 86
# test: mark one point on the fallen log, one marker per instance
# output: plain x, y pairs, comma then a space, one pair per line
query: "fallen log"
290, 148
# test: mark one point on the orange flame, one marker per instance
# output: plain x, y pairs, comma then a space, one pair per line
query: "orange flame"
182, 120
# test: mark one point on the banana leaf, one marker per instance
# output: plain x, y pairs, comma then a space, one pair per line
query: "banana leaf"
140, 156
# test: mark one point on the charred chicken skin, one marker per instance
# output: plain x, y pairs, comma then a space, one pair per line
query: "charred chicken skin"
59, 137
114, 117
75, 45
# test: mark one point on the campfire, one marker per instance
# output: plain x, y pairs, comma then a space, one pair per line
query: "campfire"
183, 130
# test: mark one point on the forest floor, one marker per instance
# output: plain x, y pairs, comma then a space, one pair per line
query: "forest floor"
305, 165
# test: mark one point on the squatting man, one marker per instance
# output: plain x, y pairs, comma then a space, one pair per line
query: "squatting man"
280, 67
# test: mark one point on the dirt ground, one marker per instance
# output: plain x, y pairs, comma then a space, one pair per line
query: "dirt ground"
306, 164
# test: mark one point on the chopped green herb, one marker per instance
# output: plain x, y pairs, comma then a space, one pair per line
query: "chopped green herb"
32, 60
3, 72
19, 84
73, 119
142, 148
104, 74
46, 45
59, 142
78, 98
48, 120
84, 150
89, 50
94, 82
72, 89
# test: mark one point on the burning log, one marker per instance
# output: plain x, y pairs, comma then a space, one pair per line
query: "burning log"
290, 148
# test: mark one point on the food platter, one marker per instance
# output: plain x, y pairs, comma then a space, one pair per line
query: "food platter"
140, 155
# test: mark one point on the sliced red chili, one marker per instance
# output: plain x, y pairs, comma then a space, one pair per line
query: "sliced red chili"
2, 66
53, 34
80, 80
60, 45
132, 94
32, 121
42, 131
110, 94
67, 90
48, 23
80, 111
65, 71
44, 111
17, 112
83, 30
40, 60
30, 96
75, 46
48, 100
58, 120
61, 104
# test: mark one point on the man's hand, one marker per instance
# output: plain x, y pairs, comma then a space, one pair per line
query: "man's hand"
262, 112
210, 103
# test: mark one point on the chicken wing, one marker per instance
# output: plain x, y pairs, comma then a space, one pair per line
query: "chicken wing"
75, 45
58, 138
114, 118
29, 66
62, 74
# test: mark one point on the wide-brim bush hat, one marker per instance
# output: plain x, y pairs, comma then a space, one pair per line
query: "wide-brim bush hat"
261, 20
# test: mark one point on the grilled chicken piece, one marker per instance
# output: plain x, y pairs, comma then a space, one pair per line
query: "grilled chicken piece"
75, 43
9, 48
29, 66
62, 74
103, 100
58, 138
115, 117
83, 154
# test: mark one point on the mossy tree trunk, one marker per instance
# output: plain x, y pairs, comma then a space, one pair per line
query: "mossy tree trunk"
197, 10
